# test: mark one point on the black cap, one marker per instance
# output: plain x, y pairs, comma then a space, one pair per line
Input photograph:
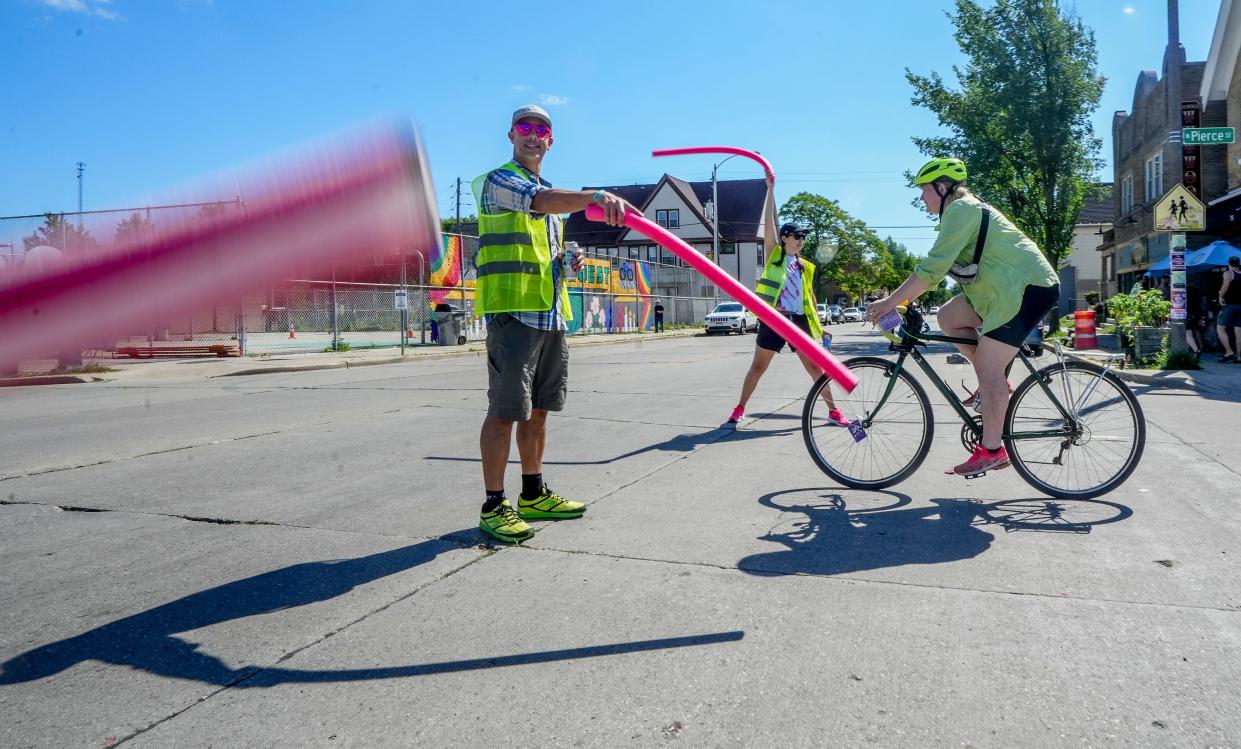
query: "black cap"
788, 229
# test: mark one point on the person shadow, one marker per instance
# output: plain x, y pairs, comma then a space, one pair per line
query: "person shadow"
827, 538
151, 640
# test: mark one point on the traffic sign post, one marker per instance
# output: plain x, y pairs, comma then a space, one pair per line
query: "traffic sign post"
1180, 210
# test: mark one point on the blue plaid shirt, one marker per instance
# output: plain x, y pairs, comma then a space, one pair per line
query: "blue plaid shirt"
505, 191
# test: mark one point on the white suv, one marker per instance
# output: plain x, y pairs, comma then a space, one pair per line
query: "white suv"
730, 317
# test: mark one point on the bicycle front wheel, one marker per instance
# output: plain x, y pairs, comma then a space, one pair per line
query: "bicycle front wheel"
891, 426
1087, 455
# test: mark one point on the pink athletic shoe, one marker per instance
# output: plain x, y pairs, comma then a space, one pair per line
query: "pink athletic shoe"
981, 462
737, 415
837, 418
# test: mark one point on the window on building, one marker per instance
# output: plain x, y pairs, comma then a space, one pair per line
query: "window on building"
669, 218
1126, 194
759, 248
652, 253
728, 248
1154, 177
635, 252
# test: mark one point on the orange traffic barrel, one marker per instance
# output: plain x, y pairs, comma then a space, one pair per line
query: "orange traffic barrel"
1083, 330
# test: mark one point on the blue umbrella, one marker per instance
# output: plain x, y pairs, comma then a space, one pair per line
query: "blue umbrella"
1214, 255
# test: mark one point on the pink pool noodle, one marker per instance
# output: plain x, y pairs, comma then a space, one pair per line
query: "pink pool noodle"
718, 149
765, 312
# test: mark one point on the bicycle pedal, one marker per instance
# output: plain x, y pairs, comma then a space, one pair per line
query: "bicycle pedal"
978, 475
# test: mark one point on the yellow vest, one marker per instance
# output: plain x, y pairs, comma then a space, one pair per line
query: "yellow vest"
769, 286
514, 258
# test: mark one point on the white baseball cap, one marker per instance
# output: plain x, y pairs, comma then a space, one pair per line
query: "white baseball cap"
532, 110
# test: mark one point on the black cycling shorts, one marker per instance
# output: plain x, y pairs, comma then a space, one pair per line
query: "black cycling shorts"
771, 340
1036, 302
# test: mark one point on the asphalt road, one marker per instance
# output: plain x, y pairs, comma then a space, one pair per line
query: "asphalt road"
292, 560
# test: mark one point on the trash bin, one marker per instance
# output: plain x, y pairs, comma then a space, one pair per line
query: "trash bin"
451, 325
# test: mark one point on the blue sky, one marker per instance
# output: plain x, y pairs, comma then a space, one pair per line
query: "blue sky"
153, 94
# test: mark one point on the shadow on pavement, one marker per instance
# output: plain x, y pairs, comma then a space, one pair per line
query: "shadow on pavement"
826, 534
682, 443
149, 641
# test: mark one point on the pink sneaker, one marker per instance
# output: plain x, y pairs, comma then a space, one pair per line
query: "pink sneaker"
981, 462
837, 418
737, 415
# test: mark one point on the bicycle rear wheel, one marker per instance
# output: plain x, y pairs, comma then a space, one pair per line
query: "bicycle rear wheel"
896, 429
1095, 451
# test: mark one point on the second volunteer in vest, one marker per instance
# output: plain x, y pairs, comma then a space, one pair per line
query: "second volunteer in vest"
787, 284
521, 291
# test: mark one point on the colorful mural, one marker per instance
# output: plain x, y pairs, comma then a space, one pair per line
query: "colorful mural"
446, 269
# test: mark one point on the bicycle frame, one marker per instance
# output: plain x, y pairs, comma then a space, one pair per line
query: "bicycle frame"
908, 347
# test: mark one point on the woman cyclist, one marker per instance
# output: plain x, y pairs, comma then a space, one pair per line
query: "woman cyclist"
1007, 288
787, 284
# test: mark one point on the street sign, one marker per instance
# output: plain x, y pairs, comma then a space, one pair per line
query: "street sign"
1208, 136
1180, 210
400, 299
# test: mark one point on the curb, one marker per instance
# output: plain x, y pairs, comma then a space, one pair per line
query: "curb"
47, 380
466, 351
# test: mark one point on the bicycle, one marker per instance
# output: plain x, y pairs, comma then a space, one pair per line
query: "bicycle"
1073, 430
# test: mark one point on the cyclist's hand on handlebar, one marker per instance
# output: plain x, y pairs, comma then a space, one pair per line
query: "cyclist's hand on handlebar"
879, 308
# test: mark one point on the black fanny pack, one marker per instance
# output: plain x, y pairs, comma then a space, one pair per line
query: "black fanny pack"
967, 274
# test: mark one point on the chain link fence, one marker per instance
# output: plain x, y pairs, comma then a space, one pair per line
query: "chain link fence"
359, 305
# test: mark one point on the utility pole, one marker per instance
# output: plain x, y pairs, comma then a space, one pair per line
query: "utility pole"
715, 225
460, 244
1174, 152
81, 168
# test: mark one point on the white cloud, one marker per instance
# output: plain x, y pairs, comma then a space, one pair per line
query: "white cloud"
84, 7
1128, 10
552, 100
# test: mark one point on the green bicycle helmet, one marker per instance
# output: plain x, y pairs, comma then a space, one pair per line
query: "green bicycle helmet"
953, 169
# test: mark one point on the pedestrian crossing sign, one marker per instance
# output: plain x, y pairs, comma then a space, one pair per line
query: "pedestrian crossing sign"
1180, 210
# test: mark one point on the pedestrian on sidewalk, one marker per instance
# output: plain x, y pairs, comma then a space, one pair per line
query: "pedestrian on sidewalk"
787, 284
659, 316
521, 293
1228, 324
1007, 286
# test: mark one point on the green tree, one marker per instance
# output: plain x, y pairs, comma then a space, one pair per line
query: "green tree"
861, 262
65, 236
1021, 117
133, 228
449, 225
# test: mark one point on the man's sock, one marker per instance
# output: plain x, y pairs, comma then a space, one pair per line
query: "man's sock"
993, 452
493, 501
531, 485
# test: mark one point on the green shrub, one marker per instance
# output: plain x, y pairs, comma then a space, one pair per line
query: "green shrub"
1143, 309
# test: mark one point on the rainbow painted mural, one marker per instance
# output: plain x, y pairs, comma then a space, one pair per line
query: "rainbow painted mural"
446, 269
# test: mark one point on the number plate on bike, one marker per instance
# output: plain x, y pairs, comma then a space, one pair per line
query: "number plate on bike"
891, 321
855, 428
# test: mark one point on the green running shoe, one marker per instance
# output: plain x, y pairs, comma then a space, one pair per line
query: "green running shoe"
504, 524
549, 506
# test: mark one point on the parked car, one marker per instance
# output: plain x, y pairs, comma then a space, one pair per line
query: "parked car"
837, 312
934, 310
730, 317
853, 314
824, 315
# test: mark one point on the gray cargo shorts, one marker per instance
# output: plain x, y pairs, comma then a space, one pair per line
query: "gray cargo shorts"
527, 368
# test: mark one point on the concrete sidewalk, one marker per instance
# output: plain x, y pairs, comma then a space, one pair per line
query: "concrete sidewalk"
157, 369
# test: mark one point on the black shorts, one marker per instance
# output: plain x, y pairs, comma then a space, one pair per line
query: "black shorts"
771, 340
1229, 316
1036, 302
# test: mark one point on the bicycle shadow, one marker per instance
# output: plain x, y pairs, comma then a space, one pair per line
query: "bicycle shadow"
822, 535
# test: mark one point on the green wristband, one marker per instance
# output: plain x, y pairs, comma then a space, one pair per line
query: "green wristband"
599, 196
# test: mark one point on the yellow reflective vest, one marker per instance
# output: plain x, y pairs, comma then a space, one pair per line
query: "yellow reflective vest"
772, 281
514, 258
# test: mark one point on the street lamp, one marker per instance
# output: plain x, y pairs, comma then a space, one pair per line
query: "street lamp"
715, 223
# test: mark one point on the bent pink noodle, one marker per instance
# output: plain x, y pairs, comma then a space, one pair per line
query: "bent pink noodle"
763, 311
